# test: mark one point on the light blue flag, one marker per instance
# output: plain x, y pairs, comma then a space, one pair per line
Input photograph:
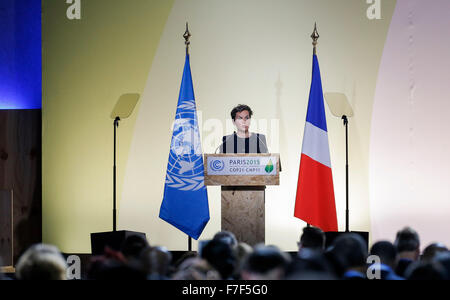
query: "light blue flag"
185, 202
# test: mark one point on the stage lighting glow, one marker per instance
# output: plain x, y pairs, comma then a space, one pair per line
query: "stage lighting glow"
20, 55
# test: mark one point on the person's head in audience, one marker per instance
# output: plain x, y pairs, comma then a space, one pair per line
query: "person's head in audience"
431, 251
443, 258
185, 256
115, 270
195, 268
310, 264
156, 262
226, 237
220, 255
407, 243
241, 252
386, 252
133, 246
113, 265
41, 262
312, 238
425, 271
265, 263
351, 250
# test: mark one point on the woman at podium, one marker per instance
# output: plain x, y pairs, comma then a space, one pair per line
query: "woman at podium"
242, 140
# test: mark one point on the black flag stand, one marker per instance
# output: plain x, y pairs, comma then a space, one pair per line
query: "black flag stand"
347, 212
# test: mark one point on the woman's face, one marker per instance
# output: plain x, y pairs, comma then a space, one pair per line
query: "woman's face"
242, 121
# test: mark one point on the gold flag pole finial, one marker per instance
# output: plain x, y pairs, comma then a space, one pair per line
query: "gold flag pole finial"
315, 36
186, 36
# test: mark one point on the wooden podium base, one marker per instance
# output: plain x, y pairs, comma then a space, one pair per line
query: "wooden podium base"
243, 178
243, 213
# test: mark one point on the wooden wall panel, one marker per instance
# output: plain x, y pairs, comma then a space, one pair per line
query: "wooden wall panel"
20, 171
6, 228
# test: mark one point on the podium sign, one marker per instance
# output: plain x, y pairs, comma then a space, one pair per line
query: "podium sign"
243, 178
241, 166
242, 169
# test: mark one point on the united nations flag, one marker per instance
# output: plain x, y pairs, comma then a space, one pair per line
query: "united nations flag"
185, 202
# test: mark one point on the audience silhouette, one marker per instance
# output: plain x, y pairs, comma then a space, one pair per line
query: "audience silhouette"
225, 258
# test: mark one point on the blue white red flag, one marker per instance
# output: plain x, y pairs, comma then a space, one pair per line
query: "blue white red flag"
314, 201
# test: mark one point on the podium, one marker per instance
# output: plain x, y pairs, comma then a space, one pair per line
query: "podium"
243, 179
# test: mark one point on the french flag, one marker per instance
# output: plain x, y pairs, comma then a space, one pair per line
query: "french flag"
314, 202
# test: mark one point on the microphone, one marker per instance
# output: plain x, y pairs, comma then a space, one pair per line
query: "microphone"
263, 142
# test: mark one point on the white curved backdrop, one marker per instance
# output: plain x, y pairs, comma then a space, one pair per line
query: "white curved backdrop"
410, 140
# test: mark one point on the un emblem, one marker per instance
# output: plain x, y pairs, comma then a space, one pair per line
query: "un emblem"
185, 170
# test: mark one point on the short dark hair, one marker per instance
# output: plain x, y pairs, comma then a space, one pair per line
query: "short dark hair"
426, 271
386, 251
265, 259
313, 238
432, 250
407, 239
227, 237
240, 108
443, 258
352, 248
220, 255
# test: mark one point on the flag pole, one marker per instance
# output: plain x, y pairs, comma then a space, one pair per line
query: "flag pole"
315, 36
186, 37
347, 212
